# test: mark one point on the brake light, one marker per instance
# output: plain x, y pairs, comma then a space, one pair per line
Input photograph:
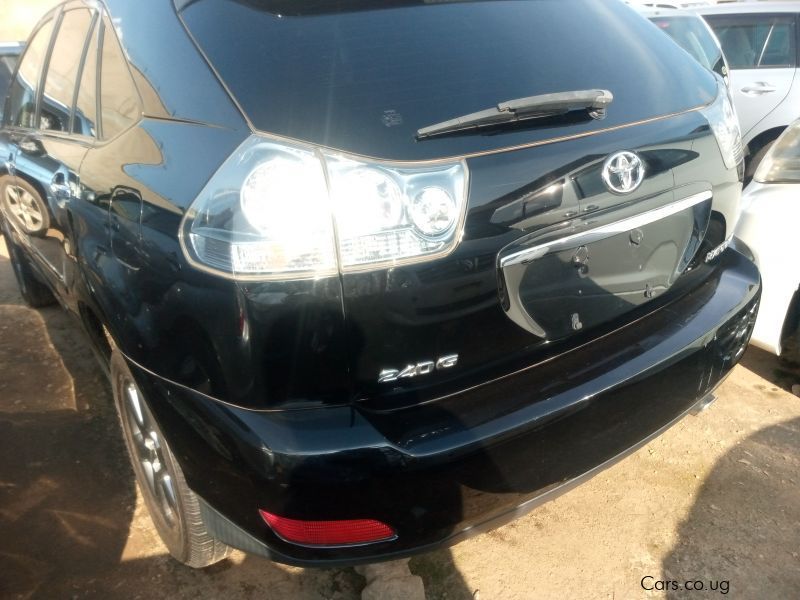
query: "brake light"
281, 211
329, 533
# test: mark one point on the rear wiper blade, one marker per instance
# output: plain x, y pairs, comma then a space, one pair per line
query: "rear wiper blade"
533, 107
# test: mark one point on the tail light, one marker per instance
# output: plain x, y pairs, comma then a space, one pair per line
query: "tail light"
280, 211
721, 116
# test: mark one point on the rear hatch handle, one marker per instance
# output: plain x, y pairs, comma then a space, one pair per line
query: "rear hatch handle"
595, 102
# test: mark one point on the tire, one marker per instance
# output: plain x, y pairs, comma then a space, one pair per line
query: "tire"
27, 208
752, 164
790, 339
174, 508
35, 293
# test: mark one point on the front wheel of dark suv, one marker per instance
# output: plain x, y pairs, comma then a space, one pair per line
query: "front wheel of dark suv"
173, 507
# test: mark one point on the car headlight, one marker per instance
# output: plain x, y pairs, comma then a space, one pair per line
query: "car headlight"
782, 162
280, 211
724, 123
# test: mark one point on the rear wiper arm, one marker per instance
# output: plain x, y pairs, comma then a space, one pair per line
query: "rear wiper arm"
533, 107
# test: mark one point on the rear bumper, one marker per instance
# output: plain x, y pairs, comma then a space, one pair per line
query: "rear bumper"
440, 472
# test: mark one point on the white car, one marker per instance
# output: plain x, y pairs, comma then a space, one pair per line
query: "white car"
760, 42
768, 225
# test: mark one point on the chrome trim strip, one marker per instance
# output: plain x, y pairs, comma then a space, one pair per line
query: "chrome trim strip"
604, 231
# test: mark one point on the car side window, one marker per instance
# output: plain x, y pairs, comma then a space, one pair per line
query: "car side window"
84, 121
21, 106
757, 41
7, 65
62, 70
119, 100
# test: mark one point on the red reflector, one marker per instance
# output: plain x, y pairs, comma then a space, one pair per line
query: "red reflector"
328, 533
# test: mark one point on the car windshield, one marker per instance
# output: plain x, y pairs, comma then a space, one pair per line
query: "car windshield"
691, 35
782, 164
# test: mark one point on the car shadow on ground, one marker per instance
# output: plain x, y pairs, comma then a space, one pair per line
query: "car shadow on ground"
70, 526
752, 488
66, 495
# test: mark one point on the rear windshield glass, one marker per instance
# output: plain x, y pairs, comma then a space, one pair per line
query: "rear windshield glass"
365, 79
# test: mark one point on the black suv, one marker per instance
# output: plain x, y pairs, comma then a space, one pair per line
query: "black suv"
368, 279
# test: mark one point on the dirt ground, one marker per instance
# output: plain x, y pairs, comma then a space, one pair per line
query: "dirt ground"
714, 500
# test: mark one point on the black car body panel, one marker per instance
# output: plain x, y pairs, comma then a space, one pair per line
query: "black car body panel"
268, 390
472, 457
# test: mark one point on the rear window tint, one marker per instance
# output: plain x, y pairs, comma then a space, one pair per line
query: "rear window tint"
62, 70
365, 76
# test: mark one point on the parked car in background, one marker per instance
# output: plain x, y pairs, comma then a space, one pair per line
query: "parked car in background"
691, 32
369, 278
768, 225
676, 5
9, 53
760, 42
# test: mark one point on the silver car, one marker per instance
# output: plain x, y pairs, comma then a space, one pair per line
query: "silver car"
768, 224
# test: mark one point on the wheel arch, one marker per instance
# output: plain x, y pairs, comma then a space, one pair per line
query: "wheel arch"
792, 318
36, 185
764, 138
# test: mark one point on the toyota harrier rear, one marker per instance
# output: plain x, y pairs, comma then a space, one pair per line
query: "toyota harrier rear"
369, 278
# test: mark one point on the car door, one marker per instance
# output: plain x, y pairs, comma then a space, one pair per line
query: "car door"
762, 54
103, 177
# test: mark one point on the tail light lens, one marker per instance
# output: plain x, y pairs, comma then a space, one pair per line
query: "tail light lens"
329, 533
722, 118
279, 211
265, 212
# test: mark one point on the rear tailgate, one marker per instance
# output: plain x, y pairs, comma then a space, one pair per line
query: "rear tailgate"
498, 316
363, 79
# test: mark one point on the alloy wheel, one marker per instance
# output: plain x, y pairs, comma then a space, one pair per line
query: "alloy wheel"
150, 453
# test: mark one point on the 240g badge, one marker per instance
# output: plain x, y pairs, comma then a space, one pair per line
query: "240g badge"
421, 368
